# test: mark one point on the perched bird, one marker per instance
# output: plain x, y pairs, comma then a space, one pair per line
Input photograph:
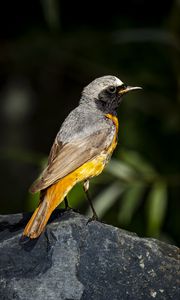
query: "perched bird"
82, 148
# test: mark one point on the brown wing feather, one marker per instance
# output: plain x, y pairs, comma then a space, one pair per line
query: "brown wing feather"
64, 159
56, 147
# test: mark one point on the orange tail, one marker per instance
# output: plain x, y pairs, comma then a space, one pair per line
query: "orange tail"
55, 195
38, 220
52, 198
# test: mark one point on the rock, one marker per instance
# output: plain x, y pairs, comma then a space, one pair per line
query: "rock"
75, 260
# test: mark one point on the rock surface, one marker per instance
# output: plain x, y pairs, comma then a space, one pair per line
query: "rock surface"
74, 260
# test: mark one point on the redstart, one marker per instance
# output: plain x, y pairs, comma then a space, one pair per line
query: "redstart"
82, 148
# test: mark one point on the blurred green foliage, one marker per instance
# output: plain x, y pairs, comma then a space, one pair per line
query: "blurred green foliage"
43, 70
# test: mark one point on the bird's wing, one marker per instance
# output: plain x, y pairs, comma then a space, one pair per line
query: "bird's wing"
64, 159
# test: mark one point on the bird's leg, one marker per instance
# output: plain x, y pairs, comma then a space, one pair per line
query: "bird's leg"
86, 187
67, 207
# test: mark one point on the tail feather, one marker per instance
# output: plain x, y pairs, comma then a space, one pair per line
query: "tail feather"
50, 199
38, 221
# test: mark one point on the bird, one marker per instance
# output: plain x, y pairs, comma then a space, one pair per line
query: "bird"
81, 149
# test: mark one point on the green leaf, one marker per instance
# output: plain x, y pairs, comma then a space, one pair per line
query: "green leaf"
156, 208
121, 170
135, 160
106, 198
131, 199
32, 202
76, 196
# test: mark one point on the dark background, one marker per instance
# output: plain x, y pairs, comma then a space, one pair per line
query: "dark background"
49, 50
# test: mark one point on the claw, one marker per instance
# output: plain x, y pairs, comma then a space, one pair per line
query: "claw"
93, 218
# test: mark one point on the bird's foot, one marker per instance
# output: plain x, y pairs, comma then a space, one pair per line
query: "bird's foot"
93, 218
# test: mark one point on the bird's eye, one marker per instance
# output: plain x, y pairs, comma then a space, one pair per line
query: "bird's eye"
111, 89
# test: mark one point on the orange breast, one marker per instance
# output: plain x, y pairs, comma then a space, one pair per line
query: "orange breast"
116, 124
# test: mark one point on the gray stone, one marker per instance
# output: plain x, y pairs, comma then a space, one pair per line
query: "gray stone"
75, 260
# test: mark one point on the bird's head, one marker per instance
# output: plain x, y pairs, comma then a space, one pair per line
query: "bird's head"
105, 92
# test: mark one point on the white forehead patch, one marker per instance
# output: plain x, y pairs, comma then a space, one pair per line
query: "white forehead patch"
118, 81
94, 88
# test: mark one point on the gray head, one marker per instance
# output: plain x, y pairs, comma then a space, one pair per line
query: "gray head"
105, 93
